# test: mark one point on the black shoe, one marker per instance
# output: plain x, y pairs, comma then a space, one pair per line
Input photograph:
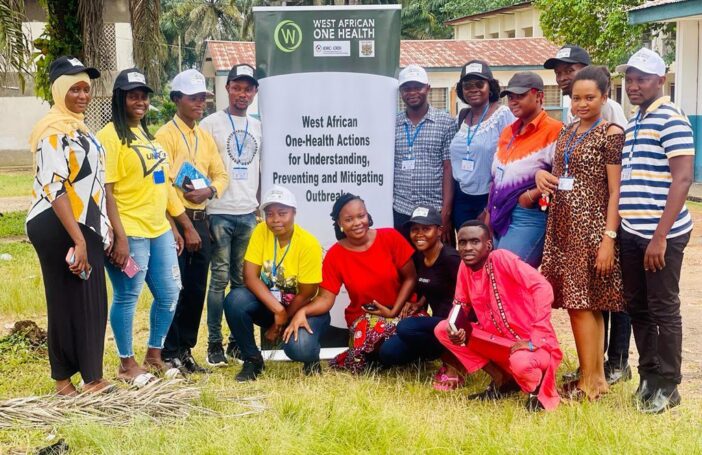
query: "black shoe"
311, 368
533, 404
233, 352
646, 389
190, 364
614, 375
571, 376
175, 362
662, 399
250, 370
494, 393
215, 355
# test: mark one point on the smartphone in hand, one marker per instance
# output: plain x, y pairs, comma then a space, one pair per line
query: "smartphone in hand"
369, 307
131, 268
71, 259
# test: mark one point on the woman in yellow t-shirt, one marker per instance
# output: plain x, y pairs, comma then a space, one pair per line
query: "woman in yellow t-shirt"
282, 272
138, 197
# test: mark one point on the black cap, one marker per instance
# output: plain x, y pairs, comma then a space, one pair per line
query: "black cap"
568, 54
523, 82
130, 79
68, 64
427, 216
476, 68
242, 71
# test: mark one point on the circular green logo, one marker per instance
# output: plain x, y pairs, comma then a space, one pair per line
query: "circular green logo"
287, 36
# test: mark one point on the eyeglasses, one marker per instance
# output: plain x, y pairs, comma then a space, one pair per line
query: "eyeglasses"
406, 88
474, 84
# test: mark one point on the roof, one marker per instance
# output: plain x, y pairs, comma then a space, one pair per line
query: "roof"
664, 11
653, 3
492, 12
505, 52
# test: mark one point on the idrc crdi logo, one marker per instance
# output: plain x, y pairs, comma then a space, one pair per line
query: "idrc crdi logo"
287, 36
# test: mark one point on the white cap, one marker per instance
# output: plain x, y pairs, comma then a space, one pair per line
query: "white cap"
278, 195
189, 82
413, 73
646, 61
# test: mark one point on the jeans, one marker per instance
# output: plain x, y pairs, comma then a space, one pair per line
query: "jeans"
654, 306
467, 206
182, 336
526, 234
398, 222
617, 343
158, 260
242, 310
230, 237
414, 340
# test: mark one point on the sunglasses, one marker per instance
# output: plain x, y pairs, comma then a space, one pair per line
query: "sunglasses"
474, 84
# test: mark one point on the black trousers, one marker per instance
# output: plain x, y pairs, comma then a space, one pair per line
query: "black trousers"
182, 336
76, 308
654, 306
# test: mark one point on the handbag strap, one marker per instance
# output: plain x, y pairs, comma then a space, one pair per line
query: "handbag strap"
498, 299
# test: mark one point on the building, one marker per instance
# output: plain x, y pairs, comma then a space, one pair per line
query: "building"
443, 60
22, 109
685, 71
516, 21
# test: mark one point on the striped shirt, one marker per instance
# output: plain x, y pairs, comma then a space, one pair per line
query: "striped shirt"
664, 132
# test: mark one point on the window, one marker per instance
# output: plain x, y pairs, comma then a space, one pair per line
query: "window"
672, 92
437, 98
552, 96
494, 35
528, 32
510, 33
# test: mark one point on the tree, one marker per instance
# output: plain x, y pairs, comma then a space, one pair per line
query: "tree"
14, 47
600, 26
149, 49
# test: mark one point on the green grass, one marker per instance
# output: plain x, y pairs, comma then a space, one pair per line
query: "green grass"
15, 183
12, 224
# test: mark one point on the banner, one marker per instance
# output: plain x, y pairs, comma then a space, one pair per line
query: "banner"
328, 101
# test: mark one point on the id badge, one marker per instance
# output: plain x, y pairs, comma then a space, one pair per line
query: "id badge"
626, 173
159, 177
408, 165
277, 294
199, 184
499, 173
468, 164
566, 183
240, 173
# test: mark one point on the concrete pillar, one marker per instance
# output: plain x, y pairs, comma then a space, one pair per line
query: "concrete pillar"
688, 83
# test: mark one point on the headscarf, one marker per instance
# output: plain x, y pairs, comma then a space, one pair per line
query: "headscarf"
59, 119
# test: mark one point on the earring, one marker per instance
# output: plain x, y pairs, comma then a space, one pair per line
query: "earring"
341, 229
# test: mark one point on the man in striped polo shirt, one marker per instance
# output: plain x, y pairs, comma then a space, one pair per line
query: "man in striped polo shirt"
657, 171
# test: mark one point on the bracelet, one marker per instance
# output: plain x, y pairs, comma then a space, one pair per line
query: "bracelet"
528, 192
531, 346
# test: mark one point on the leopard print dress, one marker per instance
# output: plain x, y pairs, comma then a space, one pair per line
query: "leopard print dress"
576, 223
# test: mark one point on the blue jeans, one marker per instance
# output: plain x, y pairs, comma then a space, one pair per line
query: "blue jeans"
526, 234
414, 340
617, 343
230, 237
242, 310
158, 261
466, 206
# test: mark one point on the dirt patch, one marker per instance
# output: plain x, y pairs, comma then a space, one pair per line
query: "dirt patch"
15, 204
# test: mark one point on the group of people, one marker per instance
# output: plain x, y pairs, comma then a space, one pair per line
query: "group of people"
480, 203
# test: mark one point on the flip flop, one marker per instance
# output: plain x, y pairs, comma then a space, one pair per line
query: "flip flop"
447, 383
143, 380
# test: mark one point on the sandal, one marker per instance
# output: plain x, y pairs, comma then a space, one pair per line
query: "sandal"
571, 391
441, 372
446, 383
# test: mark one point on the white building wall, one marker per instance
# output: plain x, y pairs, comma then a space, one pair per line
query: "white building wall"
123, 46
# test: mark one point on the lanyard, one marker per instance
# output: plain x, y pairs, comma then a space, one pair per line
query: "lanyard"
637, 126
274, 267
469, 137
97, 145
410, 141
239, 147
145, 138
569, 149
187, 144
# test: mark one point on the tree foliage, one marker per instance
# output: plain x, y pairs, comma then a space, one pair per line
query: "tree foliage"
14, 47
600, 26
148, 45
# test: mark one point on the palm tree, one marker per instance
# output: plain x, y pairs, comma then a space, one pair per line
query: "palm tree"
212, 19
14, 47
149, 49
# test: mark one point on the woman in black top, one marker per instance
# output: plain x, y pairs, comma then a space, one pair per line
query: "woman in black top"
437, 268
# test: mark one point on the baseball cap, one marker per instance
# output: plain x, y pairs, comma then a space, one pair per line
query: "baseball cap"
427, 216
242, 71
477, 68
189, 82
68, 64
278, 195
522, 82
130, 79
646, 61
413, 73
568, 54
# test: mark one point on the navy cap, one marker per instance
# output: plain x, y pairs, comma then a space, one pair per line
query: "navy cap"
68, 64
568, 54
130, 79
425, 215
242, 71
522, 82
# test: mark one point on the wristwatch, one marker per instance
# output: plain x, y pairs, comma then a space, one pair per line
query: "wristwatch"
214, 192
611, 234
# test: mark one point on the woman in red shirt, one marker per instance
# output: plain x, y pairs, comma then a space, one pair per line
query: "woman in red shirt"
375, 266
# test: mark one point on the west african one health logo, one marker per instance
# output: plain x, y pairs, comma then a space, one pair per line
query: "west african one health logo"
287, 36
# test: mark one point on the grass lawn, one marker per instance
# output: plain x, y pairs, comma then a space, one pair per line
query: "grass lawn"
15, 183
12, 224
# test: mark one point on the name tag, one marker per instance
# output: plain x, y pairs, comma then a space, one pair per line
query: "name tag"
626, 173
277, 294
408, 165
468, 165
240, 173
199, 184
499, 173
159, 177
566, 183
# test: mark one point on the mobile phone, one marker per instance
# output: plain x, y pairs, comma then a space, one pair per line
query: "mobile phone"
131, 268
71, 259
369, 307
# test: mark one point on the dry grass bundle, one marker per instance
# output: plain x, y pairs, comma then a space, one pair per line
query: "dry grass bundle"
161, 400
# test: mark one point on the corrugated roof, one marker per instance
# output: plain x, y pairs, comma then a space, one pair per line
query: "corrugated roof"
503, 9
652, 3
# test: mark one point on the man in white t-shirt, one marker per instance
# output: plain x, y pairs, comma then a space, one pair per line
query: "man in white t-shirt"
566, 64
233, 215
